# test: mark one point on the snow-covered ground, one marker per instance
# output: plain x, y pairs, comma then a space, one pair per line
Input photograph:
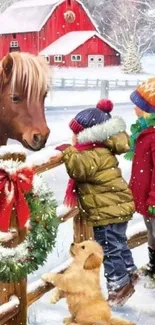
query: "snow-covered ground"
91, 97
88, 97
107, 73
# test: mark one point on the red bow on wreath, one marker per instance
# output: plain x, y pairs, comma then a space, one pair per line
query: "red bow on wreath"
12, 189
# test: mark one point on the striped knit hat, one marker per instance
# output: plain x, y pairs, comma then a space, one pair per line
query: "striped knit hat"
144, 96
92, 116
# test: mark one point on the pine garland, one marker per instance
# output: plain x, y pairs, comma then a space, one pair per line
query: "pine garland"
140, 125
16, 263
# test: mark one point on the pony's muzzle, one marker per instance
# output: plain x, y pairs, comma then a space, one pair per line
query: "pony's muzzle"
35, 141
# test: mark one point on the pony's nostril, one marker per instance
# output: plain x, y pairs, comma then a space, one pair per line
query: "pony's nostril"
72, 244
34, 141
37, 138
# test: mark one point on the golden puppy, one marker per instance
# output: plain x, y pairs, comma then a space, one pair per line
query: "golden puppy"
80, 285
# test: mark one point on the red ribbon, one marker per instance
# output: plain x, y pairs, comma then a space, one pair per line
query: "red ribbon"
12, 189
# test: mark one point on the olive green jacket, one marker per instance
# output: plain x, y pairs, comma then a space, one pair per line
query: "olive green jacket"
103, 195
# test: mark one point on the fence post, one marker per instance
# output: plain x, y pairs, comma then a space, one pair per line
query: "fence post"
19, 288
104, 89
74, 83
82, 231
62, 83
97, 83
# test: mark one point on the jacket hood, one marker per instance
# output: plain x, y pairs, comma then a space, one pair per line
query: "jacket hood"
102, 132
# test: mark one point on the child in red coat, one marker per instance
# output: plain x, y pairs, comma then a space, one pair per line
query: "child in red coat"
142, 150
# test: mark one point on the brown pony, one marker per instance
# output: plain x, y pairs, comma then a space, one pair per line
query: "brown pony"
23, 88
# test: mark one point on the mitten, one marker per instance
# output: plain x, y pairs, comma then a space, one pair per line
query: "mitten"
63, 147
151, 209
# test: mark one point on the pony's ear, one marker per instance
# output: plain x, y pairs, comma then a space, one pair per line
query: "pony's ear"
7, 65
93, 261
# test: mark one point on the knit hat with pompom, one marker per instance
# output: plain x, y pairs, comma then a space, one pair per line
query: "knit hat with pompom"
92, 116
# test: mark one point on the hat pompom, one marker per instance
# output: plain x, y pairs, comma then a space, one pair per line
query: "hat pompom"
105, 105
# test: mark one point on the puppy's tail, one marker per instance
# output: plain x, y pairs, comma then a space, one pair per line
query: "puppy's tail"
116, 321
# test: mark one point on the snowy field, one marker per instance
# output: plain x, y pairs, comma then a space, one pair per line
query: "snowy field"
140, 308
88, 97
107, 73
91, 97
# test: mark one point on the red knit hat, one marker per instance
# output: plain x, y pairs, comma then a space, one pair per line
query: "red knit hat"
92, 116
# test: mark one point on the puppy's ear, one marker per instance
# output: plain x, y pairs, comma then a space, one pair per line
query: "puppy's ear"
93, 261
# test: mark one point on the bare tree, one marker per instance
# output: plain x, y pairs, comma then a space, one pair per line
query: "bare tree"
121, 21
4, 4
127, 20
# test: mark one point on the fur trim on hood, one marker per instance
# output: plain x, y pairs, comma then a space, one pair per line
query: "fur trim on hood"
101, 132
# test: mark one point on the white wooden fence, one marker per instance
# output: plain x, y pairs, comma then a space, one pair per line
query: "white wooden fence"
64, 83
104, 86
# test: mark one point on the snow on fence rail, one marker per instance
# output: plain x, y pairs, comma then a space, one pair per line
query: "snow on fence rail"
18, 304
9, 310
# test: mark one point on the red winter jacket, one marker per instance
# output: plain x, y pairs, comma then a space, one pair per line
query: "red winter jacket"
142, 181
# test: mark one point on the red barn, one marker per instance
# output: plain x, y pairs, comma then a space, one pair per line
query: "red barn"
62, 31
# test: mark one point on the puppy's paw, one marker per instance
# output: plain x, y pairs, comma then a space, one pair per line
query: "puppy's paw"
55, 297
47, 277
54, 300
68, 320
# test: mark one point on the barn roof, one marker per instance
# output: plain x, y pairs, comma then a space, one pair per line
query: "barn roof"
27, 16
70, 42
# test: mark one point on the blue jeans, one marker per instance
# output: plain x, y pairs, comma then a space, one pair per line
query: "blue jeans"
118, 261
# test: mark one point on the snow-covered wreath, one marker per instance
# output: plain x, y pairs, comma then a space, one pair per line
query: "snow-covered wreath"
33, 202
70, 16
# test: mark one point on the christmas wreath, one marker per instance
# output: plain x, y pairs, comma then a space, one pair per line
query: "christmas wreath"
16, 192
140, 125
70, 16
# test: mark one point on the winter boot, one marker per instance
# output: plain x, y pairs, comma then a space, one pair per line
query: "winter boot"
149, 269
134, 278
120, 296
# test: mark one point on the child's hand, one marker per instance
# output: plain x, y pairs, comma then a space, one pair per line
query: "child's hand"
63, 147
151, 209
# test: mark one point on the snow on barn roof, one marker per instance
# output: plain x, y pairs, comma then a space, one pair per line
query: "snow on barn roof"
33, 3
27, 16
17, 20
69, 42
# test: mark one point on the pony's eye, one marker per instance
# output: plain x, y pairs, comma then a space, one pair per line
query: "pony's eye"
15, 98
83, 247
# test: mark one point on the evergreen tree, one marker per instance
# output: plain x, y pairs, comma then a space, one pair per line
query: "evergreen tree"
132, 62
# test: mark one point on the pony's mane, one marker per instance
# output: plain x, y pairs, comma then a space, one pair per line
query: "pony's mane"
29, 74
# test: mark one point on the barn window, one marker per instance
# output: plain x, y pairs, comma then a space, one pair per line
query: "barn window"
14, 44
76, 58
57, 58
47, 58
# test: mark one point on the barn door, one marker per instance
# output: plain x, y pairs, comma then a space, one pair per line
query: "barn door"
95, 61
